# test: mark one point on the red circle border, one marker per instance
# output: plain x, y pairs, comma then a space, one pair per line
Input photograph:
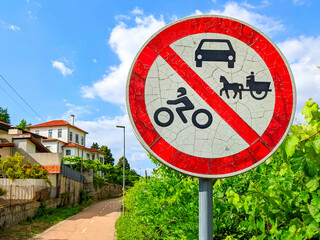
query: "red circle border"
230, 165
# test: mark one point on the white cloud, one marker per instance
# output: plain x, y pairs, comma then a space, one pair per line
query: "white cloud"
174, 18
78, 111
232, 9
10, 26
303, 55
250, 6
137, 11
122, 17
31, 16
14, 28
60, 65
94, 60
298, 2
125, 42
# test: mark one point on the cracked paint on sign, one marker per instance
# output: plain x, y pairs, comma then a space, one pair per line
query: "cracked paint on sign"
219, 139
210, 96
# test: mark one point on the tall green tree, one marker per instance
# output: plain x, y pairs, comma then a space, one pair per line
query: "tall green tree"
23, 124
108, 157
4, 115
120, 163
95, 145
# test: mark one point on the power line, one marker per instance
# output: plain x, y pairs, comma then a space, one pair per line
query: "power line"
15, 101
20, 97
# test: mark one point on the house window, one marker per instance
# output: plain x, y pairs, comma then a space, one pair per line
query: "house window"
68, 152
88, 156
82, 140
77, 138
70, 136
50, 133
37, 132
92, 156
101, 160
59, 133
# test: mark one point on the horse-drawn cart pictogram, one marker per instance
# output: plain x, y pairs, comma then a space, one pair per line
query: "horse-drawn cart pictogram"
258, 90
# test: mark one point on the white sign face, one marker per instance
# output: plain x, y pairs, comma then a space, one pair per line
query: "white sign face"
165, 89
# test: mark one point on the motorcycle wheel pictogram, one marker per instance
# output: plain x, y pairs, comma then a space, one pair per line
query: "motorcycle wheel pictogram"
194, 118
156, 117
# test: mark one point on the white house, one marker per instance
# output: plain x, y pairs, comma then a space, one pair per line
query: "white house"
67, 139
30, 146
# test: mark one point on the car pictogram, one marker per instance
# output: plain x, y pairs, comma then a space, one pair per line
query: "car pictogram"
215, 50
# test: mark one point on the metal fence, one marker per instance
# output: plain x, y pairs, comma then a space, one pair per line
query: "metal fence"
69, 173
22, 189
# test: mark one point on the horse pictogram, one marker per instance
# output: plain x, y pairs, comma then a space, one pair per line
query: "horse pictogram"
235, 87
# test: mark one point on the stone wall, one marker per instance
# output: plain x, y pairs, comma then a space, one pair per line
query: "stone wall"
106, 191
69, 189
68, 193
12, 215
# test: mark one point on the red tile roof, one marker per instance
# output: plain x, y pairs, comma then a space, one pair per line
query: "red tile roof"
6, 124
55, 123
6, 144
52, 169
71, 144
52, 139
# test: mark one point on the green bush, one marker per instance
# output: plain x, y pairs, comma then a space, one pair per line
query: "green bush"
83, 196
2, 191
165, 205
14, 167
280, 199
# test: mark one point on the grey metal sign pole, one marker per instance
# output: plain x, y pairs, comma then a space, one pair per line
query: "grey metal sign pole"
205, 209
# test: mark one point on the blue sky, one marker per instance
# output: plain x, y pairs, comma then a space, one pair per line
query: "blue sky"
67, 57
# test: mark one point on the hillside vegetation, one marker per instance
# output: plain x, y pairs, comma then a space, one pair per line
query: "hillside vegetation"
280, 199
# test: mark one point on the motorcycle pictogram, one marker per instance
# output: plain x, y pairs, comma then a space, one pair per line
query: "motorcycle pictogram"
188, 105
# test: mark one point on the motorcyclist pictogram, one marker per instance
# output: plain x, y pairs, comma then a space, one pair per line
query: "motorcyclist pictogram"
188, 105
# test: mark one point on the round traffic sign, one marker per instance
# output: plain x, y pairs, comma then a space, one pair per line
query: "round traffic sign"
210, 96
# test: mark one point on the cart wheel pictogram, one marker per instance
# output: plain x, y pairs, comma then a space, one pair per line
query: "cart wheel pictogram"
258, 95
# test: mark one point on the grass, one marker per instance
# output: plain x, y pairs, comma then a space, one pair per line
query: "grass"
44, 219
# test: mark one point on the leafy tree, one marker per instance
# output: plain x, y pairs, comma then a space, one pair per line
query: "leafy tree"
4, 115
23, 124
95, 145
120, 163
108, 157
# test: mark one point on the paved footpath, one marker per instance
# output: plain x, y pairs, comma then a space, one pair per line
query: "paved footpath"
95, 222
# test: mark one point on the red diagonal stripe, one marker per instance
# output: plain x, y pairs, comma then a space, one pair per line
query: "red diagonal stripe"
209, 96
